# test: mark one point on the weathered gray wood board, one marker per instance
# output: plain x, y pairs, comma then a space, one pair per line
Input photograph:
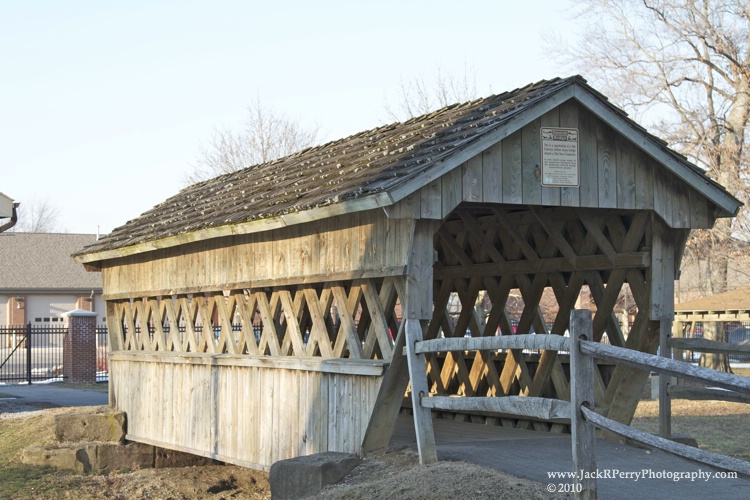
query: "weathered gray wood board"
692, 453
582, 396
349, 246
614, 173
245, 410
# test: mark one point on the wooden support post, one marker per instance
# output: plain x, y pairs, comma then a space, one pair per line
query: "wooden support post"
662, 308
626, 385
417, 304
417, 313
583, 437
418, 376
665, 403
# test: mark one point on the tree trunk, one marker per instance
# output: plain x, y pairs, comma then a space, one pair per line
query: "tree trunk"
481, 311
719, 362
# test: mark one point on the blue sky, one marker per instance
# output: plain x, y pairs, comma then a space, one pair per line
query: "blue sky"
105, 106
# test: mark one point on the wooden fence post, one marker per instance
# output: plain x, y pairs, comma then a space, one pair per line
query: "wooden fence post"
583, 437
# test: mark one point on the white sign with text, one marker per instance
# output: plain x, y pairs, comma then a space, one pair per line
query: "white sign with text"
560, 157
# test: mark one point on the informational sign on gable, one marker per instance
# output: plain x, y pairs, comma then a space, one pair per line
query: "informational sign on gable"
560, 157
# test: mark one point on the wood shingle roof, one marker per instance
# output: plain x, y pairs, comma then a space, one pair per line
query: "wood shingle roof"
374, 168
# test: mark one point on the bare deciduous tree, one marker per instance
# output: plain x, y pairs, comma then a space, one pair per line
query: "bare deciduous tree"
37, 215
684, 67
424, 95
266, 136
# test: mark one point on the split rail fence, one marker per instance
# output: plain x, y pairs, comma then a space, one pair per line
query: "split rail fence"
669, 390
580, 409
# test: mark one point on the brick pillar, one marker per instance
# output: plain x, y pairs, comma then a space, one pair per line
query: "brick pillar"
16, 317
17, 310
79, 347
85, 302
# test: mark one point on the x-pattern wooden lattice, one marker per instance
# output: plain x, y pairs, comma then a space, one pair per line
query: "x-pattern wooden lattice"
487, 254
356, 319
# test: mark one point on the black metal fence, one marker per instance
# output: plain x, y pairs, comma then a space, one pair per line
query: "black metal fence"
102, 348
29, 353
738, 332
34, 353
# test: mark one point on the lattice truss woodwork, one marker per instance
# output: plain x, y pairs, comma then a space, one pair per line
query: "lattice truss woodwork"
353, 319
495, 264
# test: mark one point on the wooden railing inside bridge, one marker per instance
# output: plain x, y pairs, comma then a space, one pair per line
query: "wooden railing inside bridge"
579, 410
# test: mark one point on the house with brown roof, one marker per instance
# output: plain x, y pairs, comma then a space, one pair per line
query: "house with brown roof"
547, 187
39, 280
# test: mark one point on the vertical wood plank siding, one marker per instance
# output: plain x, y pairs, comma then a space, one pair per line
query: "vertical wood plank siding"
347, 245
199, 363
613, 174
248, 412
550, 195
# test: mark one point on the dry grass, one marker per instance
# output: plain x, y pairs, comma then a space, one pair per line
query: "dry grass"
23, 481
718, 426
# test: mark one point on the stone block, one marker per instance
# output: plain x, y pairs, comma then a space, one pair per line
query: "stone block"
164, 459
108, 457
105, 425
59, 457
103, 458
100, 458
305, 476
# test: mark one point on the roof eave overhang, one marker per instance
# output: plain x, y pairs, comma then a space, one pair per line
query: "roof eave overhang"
377, 200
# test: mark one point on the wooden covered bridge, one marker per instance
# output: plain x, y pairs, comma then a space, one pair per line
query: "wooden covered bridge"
263, 314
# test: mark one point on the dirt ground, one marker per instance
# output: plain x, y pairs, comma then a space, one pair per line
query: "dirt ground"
394, 474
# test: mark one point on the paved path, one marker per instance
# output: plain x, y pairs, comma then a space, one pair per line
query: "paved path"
55, 395
532, 455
